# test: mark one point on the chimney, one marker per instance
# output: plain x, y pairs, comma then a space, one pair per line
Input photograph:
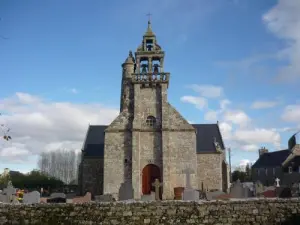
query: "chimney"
262, 151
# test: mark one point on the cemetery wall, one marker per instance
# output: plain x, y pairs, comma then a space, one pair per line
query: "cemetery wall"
260, 212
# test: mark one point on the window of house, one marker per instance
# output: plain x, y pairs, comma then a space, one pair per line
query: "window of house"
274, 171
258, 172
299, 169
290, 169
266, 171
151, 121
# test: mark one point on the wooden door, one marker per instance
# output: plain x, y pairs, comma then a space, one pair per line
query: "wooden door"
150, 173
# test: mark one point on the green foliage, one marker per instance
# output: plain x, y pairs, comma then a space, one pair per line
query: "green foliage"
4, 180
33, 180
243, 176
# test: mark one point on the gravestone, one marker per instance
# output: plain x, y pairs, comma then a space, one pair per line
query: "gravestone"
295, 190
258, 188
239, 191
147, 198
8, 195
189, 194
277, 180
57, 198
32, 197
188, 172
126, 191
285, 193
157, 186
104, 198
213, 195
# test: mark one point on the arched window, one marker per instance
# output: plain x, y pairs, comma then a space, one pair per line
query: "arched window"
151, 121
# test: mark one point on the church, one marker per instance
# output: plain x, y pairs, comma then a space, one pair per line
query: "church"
150, 139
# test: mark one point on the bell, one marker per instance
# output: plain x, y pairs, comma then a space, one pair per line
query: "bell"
155, 70
144, 70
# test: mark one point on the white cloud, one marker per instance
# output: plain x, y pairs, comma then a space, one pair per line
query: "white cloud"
226, 130
208, 91
199, 102
258, 136
284, 21
211, 116
224, 103
291, 113
264, 104
244, 162
237, 117
250, 147
39, 125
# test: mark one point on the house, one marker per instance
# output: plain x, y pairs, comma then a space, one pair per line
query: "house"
282, 164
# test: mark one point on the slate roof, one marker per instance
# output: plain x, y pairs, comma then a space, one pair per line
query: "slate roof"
294, 162
271, 159
205, 137
94, 142
295, 139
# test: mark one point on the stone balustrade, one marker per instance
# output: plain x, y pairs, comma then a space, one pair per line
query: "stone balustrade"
151, 78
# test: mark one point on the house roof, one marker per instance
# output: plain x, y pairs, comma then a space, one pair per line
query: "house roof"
271, 159
94, 142
206, 134
294, 162
295, 139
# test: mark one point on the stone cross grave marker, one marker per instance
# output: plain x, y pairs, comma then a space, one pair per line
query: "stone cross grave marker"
156, 185
277, 180
188, 172
189, 193
8, 193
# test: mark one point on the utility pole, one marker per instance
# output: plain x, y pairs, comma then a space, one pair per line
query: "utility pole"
229, 157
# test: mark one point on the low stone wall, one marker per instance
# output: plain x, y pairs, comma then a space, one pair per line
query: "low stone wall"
260, 212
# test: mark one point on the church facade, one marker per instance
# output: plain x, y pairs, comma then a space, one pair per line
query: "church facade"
150, 139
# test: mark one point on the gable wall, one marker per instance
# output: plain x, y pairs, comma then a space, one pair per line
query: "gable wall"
209, 168
91, 176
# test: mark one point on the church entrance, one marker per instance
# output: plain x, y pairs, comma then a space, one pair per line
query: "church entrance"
150, 173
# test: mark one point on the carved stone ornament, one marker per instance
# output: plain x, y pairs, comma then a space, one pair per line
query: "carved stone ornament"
150, 161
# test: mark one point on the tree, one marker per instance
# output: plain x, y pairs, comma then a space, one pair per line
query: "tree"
33, 180
242, 174
5, 177
62, 164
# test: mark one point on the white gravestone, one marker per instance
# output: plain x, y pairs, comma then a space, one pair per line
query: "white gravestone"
32, 197
8, 194
277, 180
189, 194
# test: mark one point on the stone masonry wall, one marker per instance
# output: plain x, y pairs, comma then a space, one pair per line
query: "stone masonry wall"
91, 178
117, 160
183, 156
209, 171
255, 212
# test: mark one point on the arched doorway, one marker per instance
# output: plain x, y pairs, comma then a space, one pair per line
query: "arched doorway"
150, 173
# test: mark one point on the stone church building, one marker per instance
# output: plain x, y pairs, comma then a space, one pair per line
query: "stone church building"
150, 139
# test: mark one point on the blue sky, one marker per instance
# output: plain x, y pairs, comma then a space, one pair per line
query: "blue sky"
235, 61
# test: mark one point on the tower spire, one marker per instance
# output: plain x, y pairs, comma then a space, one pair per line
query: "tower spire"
149, 29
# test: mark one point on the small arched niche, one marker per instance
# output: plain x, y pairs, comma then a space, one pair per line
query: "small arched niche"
151, 121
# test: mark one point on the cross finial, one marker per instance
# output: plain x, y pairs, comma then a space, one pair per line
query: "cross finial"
149, 17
